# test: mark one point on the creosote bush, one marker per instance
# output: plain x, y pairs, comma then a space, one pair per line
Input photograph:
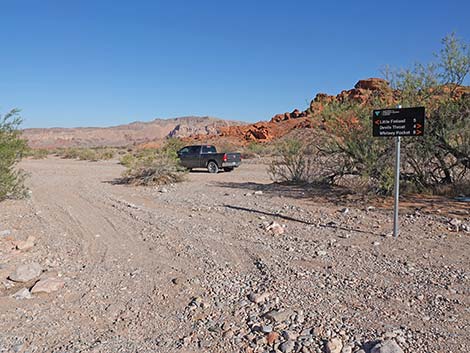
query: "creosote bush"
87, 154
154, 166
12, 149
37, 153
298, 162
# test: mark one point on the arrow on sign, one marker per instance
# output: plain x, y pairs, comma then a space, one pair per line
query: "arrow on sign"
419, 126
418, 132
377, 122
377, 113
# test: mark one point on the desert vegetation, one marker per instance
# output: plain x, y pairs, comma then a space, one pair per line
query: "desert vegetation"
12, 149
438, 161
86, 154
153, 166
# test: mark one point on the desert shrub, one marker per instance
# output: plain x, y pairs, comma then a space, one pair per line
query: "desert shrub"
37, 153
67, 153
299, 161
172, 146
105, 154
159, 169
257, 150
86, 154
349, 142
226, 146
12, 149
127, 160
442, 156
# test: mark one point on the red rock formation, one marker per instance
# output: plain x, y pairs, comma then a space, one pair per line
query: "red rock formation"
281, 124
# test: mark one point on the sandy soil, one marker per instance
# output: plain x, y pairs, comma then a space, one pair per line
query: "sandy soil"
172, 269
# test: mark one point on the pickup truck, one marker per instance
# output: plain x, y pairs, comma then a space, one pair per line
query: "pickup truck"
206, 156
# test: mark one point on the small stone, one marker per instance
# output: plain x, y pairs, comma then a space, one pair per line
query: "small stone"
275, 228
228, 334
176, 281
317, 331
289, 335
17, 348
5, 233
321, 253
345, 210
47, 285
23, 293
455, 222
258, 297
335, 345
25, 245
389, 346
376, 243
287, 347
300, 318
272, 337
26, 272
266, 328
278, 315
259, 192
163, 190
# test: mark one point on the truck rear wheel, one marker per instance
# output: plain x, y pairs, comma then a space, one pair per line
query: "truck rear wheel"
212, 167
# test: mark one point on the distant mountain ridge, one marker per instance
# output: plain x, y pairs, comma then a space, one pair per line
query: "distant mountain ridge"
128, 134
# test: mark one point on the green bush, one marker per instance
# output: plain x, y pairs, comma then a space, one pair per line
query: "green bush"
299, 162
127, 160
12, 149
172, 146
157, 169
257, 149
86, 154
37, 153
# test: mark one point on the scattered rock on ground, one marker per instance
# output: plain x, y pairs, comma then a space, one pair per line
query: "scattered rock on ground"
335, 345
5, 233
278, 315
258, 297
47, 285
26, 244
389, 346
275, 228
23, 293
26, 272
287, 347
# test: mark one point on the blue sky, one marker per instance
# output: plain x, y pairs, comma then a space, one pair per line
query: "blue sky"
101, 63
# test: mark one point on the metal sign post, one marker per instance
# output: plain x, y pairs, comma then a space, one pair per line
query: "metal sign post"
396, 226
396, 123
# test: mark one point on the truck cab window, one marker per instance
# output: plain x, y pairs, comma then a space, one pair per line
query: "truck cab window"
208, 149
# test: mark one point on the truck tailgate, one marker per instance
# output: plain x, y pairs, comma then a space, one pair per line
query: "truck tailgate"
233, 157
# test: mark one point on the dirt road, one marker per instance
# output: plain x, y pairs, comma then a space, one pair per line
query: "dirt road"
172, 269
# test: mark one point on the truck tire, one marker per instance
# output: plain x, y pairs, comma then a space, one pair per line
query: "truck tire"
229, 169
212, 167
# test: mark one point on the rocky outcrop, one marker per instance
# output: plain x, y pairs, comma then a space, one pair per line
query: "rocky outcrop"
287, 116
282, 124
